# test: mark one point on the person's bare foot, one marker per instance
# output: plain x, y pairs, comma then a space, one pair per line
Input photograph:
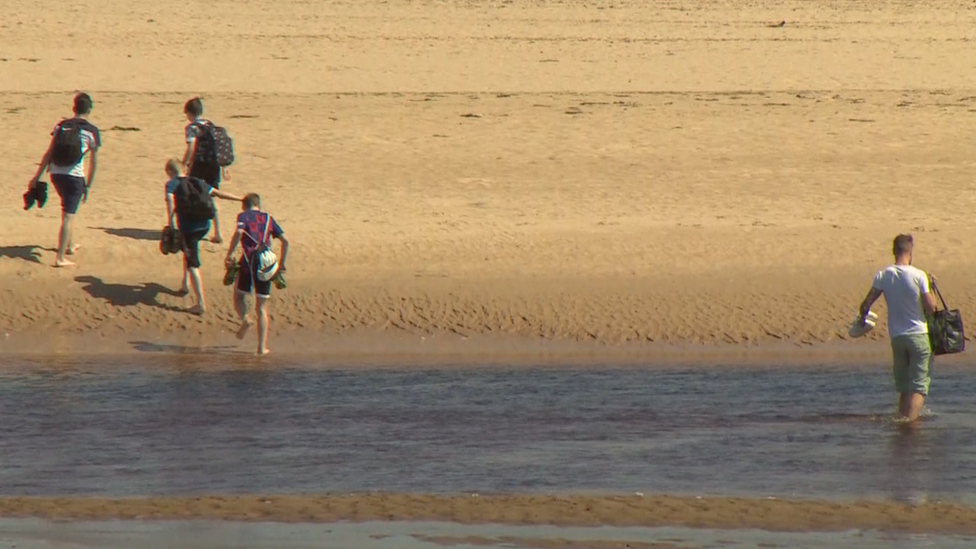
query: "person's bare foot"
183, 292
64, 263
217, 240
245, 327
73, 249
198, 310
264, 352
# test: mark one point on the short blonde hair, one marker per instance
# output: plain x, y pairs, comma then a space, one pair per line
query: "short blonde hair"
173, 166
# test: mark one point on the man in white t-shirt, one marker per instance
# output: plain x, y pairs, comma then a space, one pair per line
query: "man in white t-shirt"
906, 291
73, 140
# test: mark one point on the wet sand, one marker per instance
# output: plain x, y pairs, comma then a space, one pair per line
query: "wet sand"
650, 511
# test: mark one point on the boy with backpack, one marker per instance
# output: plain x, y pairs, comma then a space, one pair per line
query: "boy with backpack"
72, 140
258, 266
189, 200
208, 151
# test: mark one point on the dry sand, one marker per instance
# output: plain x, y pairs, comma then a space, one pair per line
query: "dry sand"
708, 512
626, 176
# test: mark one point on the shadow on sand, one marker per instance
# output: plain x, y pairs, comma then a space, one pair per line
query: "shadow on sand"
134, 234
127, 295
29, 253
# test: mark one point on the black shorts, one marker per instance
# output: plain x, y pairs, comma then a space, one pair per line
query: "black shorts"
207, 172
71, 189
191, 247
245, 276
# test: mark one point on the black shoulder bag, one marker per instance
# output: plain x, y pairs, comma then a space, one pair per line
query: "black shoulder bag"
946, 332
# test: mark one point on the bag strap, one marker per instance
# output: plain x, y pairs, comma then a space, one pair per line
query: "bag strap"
267, 226
938, 293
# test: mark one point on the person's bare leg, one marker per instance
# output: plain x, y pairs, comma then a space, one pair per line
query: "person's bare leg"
197, 283
64, 240
903, 404
217, 239
263, 322
915, 403
240, 305
185, 288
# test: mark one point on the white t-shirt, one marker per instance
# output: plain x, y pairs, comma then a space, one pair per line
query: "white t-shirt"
903, 287
90, 140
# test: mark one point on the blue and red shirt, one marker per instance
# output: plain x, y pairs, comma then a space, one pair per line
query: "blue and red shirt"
253, 223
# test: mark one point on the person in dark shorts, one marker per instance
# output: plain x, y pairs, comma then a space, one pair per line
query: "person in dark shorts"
253, 226
192, 232
73, 140
208, 171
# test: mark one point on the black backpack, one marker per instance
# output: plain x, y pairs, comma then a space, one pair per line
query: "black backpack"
193, 203
67, 144
213, 145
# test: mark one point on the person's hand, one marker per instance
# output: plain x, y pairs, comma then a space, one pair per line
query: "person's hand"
228, 262
932, 280
32, 183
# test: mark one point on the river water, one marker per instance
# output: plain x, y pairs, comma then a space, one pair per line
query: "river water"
146, 429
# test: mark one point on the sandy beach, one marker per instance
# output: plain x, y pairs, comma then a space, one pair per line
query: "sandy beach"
623, 176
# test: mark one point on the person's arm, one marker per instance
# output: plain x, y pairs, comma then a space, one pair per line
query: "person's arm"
226, 196
229, 260
188, 156
92, 166
191, 138
45, 162
873, 295
170, 209
284, 252
928, 298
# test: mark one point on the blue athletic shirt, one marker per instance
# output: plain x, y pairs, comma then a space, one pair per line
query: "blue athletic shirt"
252, 222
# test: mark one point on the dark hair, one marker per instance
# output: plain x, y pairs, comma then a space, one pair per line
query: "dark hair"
194, 107
83, 104
251, 200
903, 245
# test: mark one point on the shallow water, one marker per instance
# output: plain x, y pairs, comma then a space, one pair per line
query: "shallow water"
119, 431
37, 534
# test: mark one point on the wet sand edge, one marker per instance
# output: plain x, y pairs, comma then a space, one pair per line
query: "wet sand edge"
310, 349
572, 510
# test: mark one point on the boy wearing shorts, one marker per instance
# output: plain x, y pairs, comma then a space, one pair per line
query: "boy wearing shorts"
73, 140
254, 228
192, 230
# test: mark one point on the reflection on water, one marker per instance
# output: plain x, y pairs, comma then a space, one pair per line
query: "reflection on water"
118, 431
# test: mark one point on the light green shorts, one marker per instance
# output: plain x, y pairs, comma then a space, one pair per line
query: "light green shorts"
913, 357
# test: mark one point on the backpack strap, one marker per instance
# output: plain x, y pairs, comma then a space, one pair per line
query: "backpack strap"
264, 238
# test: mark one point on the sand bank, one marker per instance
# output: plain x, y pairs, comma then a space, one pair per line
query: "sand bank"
651, 511
633, 177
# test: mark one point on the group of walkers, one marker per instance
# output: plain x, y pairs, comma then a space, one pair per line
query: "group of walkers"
192, 183
191, 213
